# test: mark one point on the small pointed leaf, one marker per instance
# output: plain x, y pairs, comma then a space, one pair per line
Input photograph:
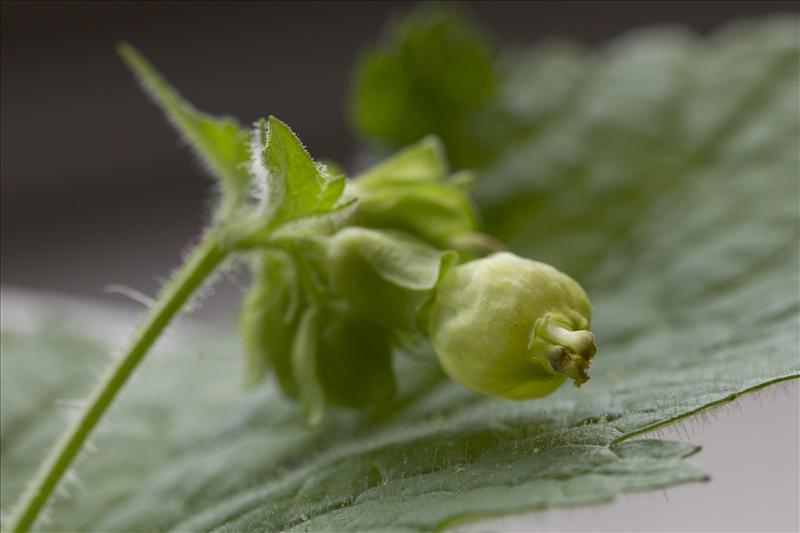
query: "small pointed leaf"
220, 142
296, 186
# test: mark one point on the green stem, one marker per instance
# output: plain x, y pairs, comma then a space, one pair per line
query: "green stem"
200, 265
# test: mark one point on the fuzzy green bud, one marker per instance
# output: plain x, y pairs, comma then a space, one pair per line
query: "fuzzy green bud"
386, 277
269, 319
414, 192
435, 212
511, 327
340, 359
354, 363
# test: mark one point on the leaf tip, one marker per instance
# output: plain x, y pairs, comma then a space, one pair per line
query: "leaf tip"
124, 48
131, 56
273, 121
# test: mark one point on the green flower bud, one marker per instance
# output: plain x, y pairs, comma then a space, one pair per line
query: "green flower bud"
511, 327
354, 363
386, 277
434, 212
412, 192
319, 356
269, 318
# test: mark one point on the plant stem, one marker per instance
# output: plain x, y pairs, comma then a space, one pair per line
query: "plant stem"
205, 258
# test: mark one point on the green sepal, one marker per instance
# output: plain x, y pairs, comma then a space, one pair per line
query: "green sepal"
269, 319
221, 143
293, 185
386, 276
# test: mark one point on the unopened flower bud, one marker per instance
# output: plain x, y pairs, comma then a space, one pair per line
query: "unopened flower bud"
435, 212
385, 276
354, 363
511, 327
413, 192
269, 318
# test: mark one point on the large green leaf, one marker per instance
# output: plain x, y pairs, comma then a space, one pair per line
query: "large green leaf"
186, 449
662, 171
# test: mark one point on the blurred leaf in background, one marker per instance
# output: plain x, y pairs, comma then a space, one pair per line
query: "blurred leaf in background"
661, 171
431, 74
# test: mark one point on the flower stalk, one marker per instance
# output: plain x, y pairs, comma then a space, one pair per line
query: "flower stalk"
200, 266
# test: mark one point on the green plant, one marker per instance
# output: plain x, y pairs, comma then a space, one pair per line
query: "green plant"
327, 299
644, 191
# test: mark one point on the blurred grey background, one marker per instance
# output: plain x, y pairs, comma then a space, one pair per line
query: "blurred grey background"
96, 187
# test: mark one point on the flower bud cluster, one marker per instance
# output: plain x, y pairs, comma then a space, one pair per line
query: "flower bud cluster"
324, 314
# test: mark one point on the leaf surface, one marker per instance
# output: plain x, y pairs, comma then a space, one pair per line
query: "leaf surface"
185, 441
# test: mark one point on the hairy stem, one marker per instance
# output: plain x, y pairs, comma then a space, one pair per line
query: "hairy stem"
199, 266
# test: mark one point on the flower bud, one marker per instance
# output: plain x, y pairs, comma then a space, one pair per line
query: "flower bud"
413, 192
385, 276
434, 212
511, 327
354, 363
269, 318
